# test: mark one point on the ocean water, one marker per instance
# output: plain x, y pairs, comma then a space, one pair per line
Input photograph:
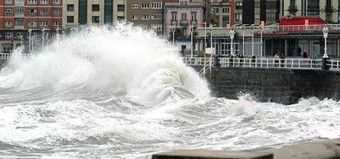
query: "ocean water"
123, 92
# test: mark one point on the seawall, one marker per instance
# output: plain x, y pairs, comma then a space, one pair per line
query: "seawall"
285, 86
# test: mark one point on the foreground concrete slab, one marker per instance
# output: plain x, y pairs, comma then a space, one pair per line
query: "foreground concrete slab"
211, 154
327, 149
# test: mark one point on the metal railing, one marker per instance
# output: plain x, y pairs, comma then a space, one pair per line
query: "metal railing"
334, 65
282, 28
265, 62
291, 63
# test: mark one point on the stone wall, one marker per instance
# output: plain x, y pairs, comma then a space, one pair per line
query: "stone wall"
275, 85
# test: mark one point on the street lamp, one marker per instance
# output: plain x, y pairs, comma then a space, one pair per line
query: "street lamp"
232, 34
325, 35
252, 40
243, 27
30, 47
192, 39
173, 35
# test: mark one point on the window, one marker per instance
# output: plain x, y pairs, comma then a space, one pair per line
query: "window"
156, 16
31, 1
95, 7
19, 22
157, 27
119, 18
239, 5
8, 1
257, 5
193, 16
8, 11
108, 11
145, 6
31, 11
70, 19
238, 16
183, 3
120, 7
56, 11
184, 16
313, 8
20, 34
70, 7
56, 1
19, 10
134, 17
32, 24
44, 1
225, 10
19, 1
156, 5
134, 6
8, 34
43, 12
56, 23
145, 17
95, 19
174, 16
215, 10
43, 24
8, 24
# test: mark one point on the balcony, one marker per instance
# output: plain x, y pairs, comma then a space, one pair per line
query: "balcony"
329, 9
173, 22
184, 22
19, 15
193, 22
292, 10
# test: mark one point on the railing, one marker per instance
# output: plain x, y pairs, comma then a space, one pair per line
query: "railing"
5, 56
291, 63
334, 65
277, 63
283, 28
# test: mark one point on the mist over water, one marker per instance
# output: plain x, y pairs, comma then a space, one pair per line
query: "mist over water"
123, 92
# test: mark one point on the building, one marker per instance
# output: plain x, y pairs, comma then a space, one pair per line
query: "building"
146, 13
220, 13
181, 15
92, 12
18, 16
328, 10
257, 11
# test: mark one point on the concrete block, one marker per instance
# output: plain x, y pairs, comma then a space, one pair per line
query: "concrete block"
211, 154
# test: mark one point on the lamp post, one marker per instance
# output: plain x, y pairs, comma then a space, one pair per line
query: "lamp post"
325, 35
205, 46
43, 38
192, 39
30, 40
173, 35
232, 34
252, 40
243, 40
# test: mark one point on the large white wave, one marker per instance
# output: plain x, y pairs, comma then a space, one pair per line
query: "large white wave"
123, 59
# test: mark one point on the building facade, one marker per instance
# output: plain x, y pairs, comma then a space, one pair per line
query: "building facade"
146, 13
258, 10
328, 10
18, 16
220, 13
182, 15
92, 12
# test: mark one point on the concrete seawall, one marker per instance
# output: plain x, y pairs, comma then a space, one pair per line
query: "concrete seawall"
327, 149
276, 85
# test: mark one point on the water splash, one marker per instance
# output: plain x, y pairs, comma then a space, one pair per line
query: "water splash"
135, 97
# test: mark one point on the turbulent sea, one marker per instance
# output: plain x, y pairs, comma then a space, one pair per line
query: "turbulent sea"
123, 92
